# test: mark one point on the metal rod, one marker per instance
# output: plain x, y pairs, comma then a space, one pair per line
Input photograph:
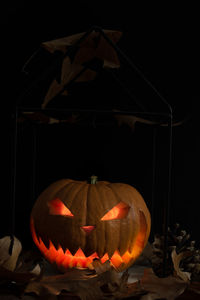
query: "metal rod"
168, 198
14, 173
153, 180
99, 111
127, 90
133, 66
34, 161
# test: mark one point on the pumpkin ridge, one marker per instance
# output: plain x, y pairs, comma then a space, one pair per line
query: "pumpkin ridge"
75, 203
69, 186
75, 198
123, 247
100, 204
115, 237
89, 203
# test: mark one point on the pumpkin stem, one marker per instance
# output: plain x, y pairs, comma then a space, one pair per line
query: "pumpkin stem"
93, 179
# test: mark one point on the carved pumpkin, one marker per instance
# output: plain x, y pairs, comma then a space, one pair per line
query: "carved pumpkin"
74, 222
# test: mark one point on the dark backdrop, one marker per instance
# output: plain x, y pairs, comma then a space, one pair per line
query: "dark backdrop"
162, 41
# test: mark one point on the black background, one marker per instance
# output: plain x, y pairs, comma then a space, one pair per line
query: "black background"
161, 40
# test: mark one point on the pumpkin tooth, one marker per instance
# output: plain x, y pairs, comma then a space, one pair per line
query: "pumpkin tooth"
104, 258
126, 257
60, 256
116, 259
63, 248
94, 255
42, 246
67, 252
60, 250
46, 242
66, 262
79, 253
51, 252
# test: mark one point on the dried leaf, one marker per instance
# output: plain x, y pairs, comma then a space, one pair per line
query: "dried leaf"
54, 89
68, 73
36, 117
62, 44
192, 292
41, 118
101, 268
36, 270
93, 41
86, 284
167, 288
127, 120
93, 46
57, 283
195, 287
7, 275
97, 46
177, 258
24, 271
69, 70
131, 120
6, 260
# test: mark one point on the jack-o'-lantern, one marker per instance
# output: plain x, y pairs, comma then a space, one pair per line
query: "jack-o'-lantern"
75, 222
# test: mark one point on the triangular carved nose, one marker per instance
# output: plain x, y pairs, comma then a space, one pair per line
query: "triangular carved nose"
88, 229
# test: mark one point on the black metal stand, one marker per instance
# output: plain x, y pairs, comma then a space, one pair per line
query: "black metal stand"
167, 116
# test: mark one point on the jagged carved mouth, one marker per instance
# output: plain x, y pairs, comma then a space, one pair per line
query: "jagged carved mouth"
65, 260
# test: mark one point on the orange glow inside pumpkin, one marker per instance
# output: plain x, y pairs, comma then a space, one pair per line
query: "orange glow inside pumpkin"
65, 260
57, 207
119, 211
88, 229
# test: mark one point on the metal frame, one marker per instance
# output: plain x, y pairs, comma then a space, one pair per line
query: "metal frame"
167, 116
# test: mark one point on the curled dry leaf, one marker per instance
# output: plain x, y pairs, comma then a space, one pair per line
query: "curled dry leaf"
70, 72
192, 292
168, 288
177, 258
102, 282
7, 275
12, 269
131, 120
30, 262
195, 287
7, 260
55, 284
36, 270
101, 268
42, 118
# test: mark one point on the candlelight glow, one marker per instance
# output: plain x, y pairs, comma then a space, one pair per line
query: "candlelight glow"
57, 207
119, 211
65, 260
88, 229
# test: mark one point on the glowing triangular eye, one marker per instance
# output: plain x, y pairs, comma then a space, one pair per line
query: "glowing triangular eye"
57, 207
119, 211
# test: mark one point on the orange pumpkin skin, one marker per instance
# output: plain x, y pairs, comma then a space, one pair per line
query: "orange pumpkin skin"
74, 222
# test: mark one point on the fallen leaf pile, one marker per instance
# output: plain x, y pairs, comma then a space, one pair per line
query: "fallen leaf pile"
21, 276
100, 283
